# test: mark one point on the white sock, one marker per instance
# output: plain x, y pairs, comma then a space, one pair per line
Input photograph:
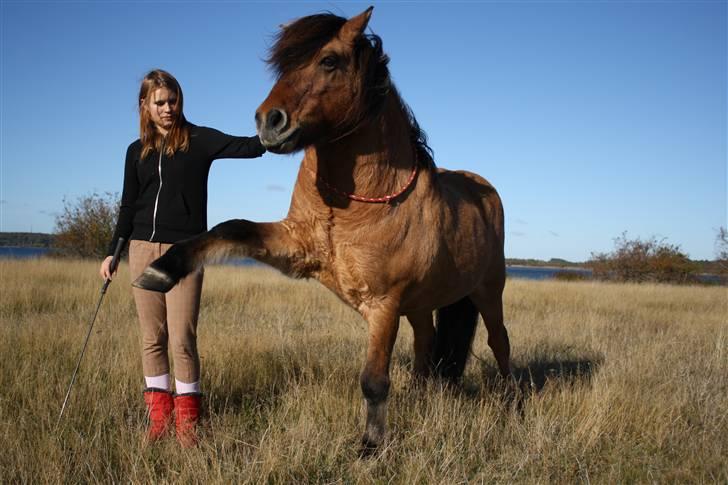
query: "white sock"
185, 388
158, 382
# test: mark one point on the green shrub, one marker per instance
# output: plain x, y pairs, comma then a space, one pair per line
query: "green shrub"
85, 226
638, 260
721, 251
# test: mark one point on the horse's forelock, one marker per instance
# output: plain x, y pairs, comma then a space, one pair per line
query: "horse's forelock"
297, 43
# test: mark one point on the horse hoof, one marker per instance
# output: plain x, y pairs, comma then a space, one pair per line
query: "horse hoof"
154, 280
367, 450
368, 447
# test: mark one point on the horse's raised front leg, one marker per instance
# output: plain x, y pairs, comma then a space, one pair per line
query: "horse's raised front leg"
383, 323
268, 242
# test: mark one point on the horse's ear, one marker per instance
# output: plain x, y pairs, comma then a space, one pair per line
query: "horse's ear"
354, 27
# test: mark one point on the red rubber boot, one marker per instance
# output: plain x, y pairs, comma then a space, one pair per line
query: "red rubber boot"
187, 409
159, 405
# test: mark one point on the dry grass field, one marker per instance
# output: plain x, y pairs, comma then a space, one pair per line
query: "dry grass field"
626, 383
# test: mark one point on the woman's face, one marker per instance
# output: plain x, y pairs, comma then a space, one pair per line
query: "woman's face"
162, 106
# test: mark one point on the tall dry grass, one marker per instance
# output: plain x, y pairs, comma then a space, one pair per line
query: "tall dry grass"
627, 384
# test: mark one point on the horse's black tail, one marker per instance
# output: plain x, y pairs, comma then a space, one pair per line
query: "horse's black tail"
456, 324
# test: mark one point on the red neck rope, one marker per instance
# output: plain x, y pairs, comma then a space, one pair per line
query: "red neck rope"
385, 199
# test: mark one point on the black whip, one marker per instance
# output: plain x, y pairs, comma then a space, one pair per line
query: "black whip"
112, 268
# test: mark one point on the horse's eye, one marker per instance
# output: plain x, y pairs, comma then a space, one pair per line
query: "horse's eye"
329, 62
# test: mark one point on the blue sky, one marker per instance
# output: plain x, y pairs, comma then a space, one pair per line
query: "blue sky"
590, 118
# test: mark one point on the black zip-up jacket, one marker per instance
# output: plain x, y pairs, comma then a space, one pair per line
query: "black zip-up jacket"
164, 199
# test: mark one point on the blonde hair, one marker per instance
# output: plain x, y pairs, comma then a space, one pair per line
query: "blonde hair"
178, 136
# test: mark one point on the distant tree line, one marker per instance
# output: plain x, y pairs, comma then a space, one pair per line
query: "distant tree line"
553, 262
26, 239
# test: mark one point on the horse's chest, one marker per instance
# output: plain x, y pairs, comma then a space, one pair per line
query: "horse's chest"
361, 264
351, 272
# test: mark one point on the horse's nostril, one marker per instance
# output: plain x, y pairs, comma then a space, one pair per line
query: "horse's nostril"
257, 119
276, 120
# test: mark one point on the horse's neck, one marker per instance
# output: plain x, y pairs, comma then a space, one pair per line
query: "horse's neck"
375, 160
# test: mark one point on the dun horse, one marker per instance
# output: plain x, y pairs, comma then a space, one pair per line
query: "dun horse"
371, 217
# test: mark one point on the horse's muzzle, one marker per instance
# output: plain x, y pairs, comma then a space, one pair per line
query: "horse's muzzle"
275, 131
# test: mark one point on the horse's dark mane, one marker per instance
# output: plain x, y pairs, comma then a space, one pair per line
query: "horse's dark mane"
418, 137
297, 44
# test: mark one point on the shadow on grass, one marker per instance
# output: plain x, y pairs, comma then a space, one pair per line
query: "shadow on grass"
532, 377
558, 368
538, 372
563, 367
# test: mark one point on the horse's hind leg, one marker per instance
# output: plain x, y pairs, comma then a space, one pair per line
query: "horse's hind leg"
488, 298
424, 333
238, 237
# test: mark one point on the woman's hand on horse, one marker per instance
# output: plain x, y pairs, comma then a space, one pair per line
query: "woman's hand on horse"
105, 266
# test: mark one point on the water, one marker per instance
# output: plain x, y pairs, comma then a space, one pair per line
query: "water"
22, 253
537, 273
526, 272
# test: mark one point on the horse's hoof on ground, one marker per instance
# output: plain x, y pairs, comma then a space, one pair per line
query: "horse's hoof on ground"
154, 280
368, 448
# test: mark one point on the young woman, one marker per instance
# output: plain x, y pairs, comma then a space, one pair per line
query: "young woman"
164, 200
